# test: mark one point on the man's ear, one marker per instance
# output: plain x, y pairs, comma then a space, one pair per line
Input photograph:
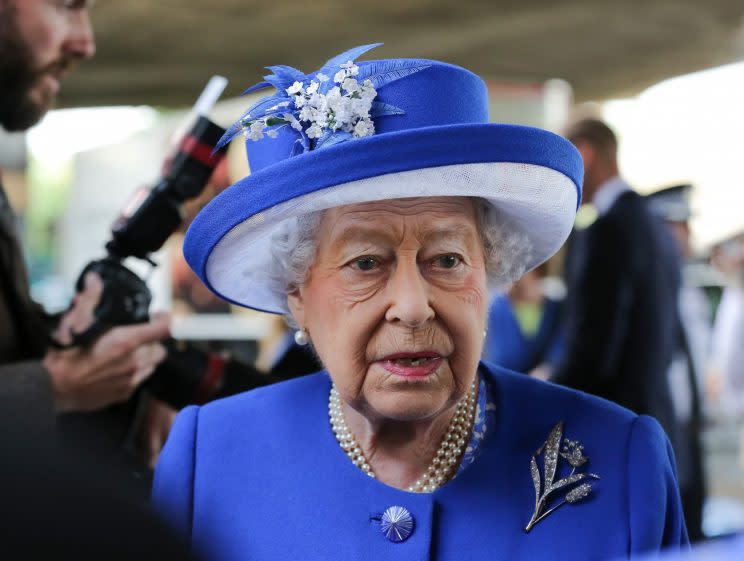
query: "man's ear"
297, 306
588, 154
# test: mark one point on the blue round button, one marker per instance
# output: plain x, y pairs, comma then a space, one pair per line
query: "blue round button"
397, 524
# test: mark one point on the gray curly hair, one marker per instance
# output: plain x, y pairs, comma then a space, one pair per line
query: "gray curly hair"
507, 249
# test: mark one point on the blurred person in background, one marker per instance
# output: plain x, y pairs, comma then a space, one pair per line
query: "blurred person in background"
727, 345
690, 358
623, 282
728, 329
525, 325
55, 505
40, 42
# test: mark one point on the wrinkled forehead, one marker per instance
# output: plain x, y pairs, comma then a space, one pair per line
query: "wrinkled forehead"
426, 218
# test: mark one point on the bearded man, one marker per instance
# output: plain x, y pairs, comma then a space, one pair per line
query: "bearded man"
41, 41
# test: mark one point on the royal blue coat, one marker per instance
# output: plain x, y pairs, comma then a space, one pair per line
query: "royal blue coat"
260, 476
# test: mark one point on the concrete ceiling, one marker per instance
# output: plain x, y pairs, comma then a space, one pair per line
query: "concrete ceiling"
161, 52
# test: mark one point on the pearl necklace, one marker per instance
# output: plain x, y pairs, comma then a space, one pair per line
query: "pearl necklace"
442, 466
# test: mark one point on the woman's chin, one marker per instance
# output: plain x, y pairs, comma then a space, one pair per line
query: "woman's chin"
409, 406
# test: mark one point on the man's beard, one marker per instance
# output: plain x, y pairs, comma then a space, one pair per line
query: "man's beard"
18, 111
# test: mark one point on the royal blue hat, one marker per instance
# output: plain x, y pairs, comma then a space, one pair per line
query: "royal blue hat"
367, 131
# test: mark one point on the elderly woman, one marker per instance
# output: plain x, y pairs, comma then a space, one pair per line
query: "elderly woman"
380, 207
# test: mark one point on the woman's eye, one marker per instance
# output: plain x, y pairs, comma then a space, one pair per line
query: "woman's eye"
447, 261
365, 263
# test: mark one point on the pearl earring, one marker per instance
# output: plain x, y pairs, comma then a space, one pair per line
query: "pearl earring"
302, 337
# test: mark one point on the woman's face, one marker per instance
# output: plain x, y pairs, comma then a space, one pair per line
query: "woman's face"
395, 304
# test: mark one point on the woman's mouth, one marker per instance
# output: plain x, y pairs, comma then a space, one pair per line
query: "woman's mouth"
412, 365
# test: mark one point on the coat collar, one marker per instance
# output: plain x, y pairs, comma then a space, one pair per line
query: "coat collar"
608, 193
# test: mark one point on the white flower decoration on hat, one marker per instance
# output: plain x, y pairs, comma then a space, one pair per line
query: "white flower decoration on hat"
323, 111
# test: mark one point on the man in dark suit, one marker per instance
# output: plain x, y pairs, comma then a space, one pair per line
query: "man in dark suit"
685, 373
40, 40
623, 283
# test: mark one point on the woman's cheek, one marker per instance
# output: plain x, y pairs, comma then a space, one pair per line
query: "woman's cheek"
355, 288
474, 298
474, 291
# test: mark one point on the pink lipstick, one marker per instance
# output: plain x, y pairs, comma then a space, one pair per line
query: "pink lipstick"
412, 365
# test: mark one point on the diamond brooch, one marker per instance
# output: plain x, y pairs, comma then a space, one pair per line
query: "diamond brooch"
546, 486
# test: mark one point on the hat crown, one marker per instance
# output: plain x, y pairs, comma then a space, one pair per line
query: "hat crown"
436, 94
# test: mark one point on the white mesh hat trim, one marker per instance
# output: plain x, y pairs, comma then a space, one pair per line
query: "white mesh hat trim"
539, 201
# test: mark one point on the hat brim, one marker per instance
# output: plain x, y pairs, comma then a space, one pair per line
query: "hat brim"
532, 176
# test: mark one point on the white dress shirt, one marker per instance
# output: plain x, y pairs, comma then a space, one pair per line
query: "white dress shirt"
608, 193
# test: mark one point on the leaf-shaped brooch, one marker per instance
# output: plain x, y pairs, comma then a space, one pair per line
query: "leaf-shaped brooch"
546, 487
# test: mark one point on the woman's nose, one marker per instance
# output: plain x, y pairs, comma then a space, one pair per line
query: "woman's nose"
410, 298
